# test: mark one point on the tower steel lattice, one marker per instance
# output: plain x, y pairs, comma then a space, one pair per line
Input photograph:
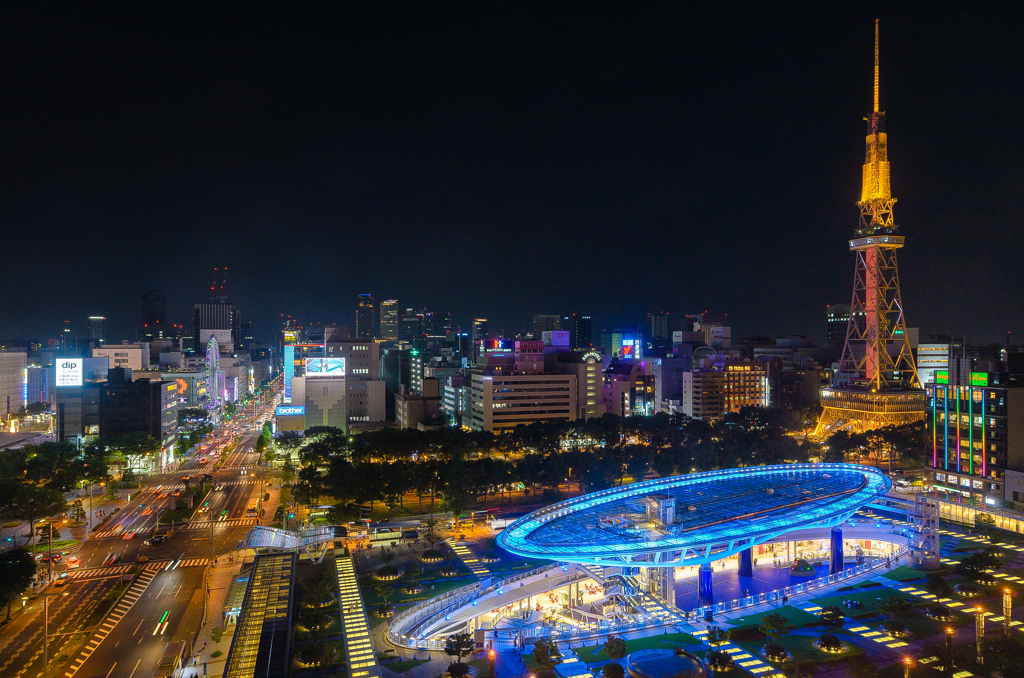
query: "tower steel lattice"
877, 383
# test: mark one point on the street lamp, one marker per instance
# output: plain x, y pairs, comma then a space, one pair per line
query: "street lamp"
46, 626
906, 667
949, 650
1007, 609
979, 631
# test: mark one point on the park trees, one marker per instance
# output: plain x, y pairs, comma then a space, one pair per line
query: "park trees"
546, 654
459, 645
775, 626
17, 567
615, 647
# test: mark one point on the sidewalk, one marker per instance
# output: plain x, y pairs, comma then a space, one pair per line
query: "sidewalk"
221, 576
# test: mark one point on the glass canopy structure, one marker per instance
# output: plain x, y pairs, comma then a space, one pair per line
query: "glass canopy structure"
696, 518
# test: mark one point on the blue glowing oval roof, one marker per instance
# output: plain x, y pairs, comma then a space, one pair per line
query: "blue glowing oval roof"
694, 518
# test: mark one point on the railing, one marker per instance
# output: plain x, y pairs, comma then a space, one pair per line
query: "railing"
778, 594
432, 610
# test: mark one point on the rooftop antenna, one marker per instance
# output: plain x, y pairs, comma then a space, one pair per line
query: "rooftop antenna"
213, 289
223, 282
876, 65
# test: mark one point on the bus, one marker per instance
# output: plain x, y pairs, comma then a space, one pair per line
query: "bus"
253, 509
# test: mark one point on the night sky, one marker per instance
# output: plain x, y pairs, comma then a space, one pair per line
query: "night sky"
500, 160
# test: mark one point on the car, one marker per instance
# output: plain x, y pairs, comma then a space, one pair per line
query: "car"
60, 582
156, 539
142, 559
73, 562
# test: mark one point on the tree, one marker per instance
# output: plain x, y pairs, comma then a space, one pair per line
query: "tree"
385, 591
832, 617
615, 647
132, 448
28, 502
986, 523
387, 554
77, 511
974, 565
895, 606
17, 568
937, 585
716, 636
546, 654
774, 626
613, 670
459, 645
1004, 652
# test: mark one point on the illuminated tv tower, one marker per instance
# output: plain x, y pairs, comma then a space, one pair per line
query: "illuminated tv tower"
877, 382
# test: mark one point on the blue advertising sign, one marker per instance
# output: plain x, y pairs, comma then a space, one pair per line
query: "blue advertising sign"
290, 410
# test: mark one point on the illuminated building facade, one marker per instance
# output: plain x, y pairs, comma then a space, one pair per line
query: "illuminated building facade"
877, 383
837, 320
389, 320
13, 382
976, 437
366, 316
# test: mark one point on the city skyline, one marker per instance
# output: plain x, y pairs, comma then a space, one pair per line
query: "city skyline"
636, 149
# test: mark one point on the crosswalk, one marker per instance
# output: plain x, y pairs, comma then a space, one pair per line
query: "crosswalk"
100, 572
191, 562
743, 659
233, 522
129, 598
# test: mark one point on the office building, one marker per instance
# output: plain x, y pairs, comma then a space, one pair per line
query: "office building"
131, 356
837, 319
97, 330
500, 402
143, 405
366, 316
627, 389
419, 410
545, 323
218, 317
580, 332
455, 400
154, 309
389, 320
720, 385
658, 325
480, 330
935, 355
587, 367
668, 377
13, 381
411, 328
975, 438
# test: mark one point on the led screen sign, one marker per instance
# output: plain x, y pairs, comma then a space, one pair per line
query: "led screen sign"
69, 372
941, 376
325, 367
979, 378
290, 410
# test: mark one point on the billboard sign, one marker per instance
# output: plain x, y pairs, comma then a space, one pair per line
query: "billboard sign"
290, 410
289, 372
979, 378
630, 348
941, 376
69, 372
325, 367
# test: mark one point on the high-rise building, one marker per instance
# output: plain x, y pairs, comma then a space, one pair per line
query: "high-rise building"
154, 309
247, 335
389, 320
546, 323
366, 316
146, 406
412, 326
13, 382
877, 383
659, 325
480, 330
218, 317
580, 333
837, 319
97, 330
976, 437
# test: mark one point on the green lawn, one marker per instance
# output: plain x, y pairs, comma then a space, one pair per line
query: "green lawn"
370, 596
792, 614
802, 647
667, 641
58, 544
870, 599
403, 666
919, 624
903, 572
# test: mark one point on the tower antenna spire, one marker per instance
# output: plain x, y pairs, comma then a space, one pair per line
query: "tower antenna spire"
876, 65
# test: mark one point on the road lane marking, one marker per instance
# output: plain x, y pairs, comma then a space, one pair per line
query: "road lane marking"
111, 669
136, 666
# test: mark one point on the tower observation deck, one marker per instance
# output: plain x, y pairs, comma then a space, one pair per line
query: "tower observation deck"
877, 383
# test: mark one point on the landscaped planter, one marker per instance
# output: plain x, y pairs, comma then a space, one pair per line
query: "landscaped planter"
432, 556
448, 572
831, 644
966, 590
939, 613
802, 568
776, 653
413, 588
386, 573
385, 612
491, 558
